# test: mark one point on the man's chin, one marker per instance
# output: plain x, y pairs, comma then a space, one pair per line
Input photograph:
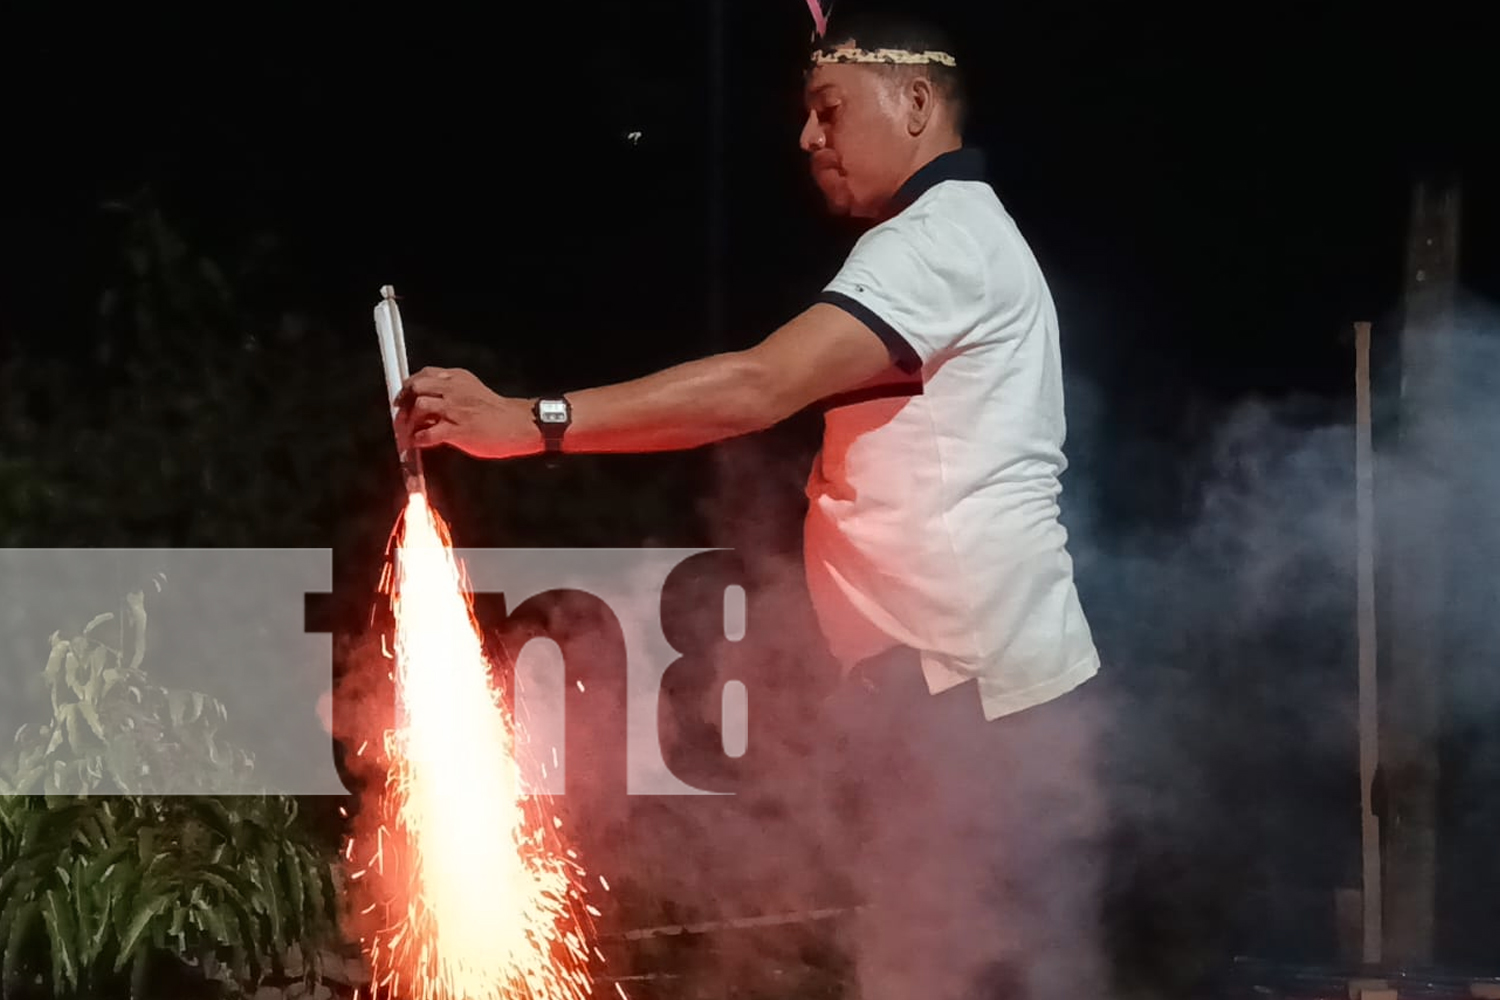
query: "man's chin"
838, 202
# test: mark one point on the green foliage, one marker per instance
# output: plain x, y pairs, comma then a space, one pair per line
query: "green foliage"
112, 731
94, 887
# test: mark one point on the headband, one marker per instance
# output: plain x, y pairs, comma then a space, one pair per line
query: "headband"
889, 57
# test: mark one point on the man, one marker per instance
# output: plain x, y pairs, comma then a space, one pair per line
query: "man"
933, 548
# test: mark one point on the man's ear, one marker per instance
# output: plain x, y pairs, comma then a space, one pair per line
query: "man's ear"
923, 100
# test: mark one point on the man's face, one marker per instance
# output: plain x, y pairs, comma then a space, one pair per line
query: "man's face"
856, 137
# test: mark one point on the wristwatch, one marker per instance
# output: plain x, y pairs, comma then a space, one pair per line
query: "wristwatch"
553, 415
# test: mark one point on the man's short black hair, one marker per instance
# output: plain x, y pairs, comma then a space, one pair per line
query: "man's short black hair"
886, 30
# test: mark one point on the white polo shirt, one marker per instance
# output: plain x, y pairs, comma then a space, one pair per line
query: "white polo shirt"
933, 517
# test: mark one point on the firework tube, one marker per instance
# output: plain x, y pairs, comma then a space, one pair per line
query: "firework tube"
393, 359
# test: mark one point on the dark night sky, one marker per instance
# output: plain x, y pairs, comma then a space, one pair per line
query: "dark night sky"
1213, 194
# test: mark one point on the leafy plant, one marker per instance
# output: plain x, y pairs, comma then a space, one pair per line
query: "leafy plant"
99, 890
113, 731
94, 890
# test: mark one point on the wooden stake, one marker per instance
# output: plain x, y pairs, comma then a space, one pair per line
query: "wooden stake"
1369, 720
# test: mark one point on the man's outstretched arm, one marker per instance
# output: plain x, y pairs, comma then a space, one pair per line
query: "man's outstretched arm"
822, 352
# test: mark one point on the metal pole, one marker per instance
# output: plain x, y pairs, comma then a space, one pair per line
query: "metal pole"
1411, 713
717, 217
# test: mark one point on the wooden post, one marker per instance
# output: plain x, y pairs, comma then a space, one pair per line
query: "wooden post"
1369, 701
1418, 567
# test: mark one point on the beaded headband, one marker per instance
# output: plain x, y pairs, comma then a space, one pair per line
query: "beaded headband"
888, 57
854, 54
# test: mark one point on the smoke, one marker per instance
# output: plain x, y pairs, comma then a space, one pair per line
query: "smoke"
1233, 641
1228, 628
1227, 733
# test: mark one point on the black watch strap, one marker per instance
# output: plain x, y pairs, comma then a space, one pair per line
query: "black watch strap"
552, 415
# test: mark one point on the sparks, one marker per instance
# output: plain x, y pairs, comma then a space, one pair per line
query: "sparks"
477, 901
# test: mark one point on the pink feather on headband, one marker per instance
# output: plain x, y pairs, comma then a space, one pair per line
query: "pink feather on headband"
820, 19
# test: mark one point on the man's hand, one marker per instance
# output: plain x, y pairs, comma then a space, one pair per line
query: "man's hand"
451, 406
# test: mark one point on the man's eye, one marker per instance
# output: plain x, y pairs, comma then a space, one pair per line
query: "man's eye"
826, 114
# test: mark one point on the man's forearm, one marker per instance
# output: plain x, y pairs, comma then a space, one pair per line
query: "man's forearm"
682, 407
822, 352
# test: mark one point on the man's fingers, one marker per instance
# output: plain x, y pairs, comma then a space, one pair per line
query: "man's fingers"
426, 409
432, 435
427, 382
416, 415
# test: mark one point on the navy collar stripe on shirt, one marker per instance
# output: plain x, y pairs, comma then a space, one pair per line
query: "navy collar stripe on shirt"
959, 165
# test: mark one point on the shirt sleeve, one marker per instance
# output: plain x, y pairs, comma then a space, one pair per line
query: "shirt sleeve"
919, 285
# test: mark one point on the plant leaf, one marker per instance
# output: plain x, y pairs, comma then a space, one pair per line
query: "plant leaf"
70, 717
212, 813
214, 925
177, 703
17, 883
53, 671
135, 932
73, 666
98, 657
50, 822
27, 782
230, 884
94, 945
15, 937
292, 876
94, 688
136, 602
57, 913
268, 895
158, 870
99, 869
178, 922
90, 831
91, 716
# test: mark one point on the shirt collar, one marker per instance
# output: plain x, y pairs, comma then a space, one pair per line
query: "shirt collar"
966, 164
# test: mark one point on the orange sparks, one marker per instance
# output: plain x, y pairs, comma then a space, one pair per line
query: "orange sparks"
479, 904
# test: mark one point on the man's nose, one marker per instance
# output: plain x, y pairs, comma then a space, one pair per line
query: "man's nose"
812, 134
